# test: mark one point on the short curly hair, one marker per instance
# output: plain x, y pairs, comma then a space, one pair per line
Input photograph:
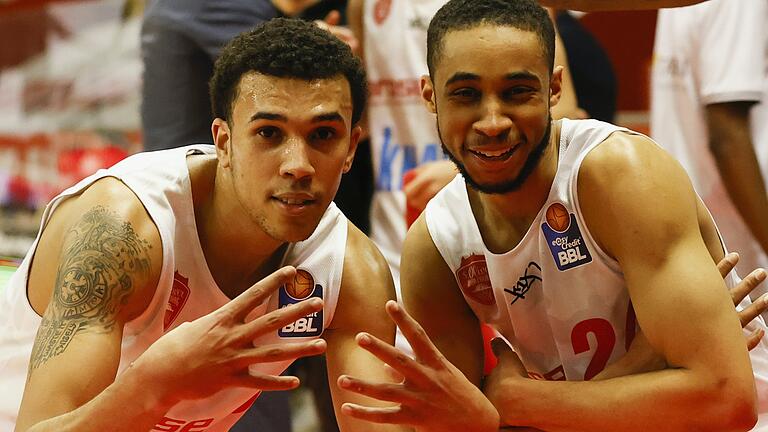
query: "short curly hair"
466, 14
289, 48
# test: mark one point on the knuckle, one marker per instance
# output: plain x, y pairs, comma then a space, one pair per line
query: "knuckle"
273, 353
273, 321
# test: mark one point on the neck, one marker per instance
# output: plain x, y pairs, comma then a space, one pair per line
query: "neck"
504, 218
237, 252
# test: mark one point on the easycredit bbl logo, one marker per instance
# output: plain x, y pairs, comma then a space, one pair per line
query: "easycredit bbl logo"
564, 238
301, 288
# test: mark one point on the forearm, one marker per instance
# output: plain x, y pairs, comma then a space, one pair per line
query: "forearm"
658, 401
734, 155
129, 404
640, 358
613, 5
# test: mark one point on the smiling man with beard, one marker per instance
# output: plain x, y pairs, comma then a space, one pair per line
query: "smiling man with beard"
581, 242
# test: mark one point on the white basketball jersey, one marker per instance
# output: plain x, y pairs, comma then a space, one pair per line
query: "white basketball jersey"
558, 298
403, 132
186, 290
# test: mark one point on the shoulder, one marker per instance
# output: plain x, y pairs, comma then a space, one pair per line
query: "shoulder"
626, 158
363, 261
103, 231
629, 178
424, 271
366, 282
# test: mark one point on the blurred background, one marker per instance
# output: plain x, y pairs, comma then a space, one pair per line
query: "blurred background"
70, 90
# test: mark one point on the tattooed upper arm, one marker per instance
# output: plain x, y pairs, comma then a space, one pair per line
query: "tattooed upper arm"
96, 267
101, 261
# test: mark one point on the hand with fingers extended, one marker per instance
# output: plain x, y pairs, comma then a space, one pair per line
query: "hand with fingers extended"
740, 291
433, 396
215, 351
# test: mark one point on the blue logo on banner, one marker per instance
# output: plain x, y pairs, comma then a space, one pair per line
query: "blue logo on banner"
310, 325
567, 246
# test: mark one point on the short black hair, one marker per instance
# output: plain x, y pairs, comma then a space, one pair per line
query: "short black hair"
285, 48
466, 14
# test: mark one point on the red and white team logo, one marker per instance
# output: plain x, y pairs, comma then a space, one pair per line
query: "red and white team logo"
474, 280
558, 218
381, 11
177, 300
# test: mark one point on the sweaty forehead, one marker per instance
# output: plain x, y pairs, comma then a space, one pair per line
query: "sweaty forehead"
490, 51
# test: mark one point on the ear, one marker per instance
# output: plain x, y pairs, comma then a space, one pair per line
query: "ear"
354, 140
222, 141
428, 93
555, 86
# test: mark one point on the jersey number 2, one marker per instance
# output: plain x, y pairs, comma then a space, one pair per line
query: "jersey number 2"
605, 337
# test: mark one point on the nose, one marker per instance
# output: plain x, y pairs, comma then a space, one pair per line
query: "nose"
296, 162
494, 121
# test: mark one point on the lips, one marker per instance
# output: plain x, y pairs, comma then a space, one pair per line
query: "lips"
493, 154
294, 203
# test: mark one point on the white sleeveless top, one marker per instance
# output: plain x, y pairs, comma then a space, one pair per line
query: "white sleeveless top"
558, 298
186, 290
403, 132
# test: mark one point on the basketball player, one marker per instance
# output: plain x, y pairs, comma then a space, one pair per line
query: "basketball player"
409, 166
569, 237
142, 286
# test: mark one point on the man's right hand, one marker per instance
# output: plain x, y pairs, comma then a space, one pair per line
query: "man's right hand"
215, 351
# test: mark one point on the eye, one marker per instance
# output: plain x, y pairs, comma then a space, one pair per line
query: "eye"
465, 93
323, 134
268, 132
517, 91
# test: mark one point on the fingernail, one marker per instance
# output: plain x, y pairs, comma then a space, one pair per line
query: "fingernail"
318, 343
364, 339
760, 274
764, 298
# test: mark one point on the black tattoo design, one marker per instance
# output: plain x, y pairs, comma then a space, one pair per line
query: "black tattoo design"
101, 258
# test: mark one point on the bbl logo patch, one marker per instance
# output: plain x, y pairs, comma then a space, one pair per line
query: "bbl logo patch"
301, 288
564, 238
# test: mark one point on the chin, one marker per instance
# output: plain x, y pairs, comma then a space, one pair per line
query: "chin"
296, 232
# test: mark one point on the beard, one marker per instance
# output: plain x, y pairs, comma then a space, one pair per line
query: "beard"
509, 185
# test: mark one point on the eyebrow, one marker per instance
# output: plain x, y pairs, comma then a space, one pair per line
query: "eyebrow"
514, 76
462, 76
522, 75
261, 115
320, 118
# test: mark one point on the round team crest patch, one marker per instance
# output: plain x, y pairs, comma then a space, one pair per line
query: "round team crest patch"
381, 11
302, 286
558, 218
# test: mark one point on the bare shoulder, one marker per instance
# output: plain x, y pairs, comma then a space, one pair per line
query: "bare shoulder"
630, 178
100, 247
423, 268
366, 282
